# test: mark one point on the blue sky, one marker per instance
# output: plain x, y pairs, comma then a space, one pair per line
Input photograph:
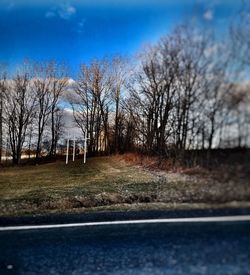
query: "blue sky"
77, 31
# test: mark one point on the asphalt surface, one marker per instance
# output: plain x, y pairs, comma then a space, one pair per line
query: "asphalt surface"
177, 248
116, 215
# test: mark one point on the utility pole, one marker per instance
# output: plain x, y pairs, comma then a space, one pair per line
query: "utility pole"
74, 148
85, 138
67, 153
85, 146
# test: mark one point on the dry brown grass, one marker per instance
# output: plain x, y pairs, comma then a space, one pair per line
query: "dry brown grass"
125, 181
148, 162
194, 171
102, 181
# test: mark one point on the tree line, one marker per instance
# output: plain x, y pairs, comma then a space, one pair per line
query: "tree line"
30, 106
187, 92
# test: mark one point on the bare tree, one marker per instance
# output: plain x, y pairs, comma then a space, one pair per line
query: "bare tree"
92, 103
165, 91
58, 84
146, 90
240, 35
59, 126
41, 87
119, 73
3, 88
19, 108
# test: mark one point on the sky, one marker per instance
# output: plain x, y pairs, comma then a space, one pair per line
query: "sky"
77, 31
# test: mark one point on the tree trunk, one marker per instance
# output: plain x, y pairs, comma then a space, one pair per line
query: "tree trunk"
52, 148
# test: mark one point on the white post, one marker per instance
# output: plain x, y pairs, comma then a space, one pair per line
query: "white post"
67, 153
74, 148
85, 146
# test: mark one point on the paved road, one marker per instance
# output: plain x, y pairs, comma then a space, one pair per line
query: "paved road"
116, 215
177, 248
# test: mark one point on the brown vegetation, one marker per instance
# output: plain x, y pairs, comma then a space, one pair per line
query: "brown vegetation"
120, 182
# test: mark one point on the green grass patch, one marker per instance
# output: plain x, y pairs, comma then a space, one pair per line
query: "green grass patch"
100, 181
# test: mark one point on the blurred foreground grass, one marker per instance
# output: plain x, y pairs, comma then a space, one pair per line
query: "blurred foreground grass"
108, 183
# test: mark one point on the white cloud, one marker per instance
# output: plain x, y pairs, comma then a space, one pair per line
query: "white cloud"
208, 15
71, 81
81, 25
50, 14
70, 126
64, 12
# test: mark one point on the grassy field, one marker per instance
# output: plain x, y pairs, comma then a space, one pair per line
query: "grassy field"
108, 183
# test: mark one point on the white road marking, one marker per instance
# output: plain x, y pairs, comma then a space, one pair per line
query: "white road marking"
217, 219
